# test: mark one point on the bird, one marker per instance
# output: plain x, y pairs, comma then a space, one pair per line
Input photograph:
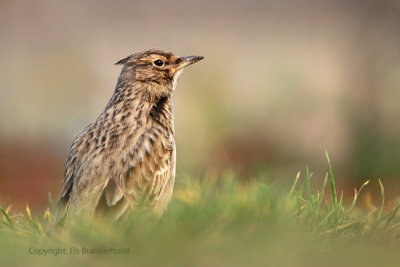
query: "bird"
126, 158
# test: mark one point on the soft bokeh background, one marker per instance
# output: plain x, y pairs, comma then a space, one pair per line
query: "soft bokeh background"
281, 81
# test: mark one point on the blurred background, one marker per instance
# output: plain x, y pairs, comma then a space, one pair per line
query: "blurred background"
281, 81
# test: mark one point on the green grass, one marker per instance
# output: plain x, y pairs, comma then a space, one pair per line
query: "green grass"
222, 222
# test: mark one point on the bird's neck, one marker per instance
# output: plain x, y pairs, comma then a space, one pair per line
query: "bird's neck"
163, 113
132, 104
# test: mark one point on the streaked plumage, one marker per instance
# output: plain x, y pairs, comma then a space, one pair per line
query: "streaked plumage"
127, 156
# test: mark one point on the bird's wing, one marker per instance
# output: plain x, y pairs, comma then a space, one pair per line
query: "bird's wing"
145, 173
63, 202
71, 168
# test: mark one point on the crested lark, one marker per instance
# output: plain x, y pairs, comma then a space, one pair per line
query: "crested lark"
127, 156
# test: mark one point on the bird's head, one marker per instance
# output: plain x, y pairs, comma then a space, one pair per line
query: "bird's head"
157, 70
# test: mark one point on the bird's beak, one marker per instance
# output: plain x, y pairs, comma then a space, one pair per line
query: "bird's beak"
186, 61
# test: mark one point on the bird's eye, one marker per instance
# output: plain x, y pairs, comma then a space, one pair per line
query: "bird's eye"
158, 62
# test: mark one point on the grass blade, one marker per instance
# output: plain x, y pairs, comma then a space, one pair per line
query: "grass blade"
294, 184
383, 202
51, 204
356, 194
332, 180
394, 212
6, 216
